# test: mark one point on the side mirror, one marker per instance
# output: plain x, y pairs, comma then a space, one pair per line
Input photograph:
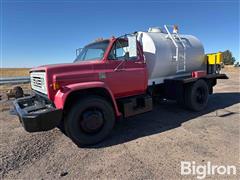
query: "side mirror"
132, 46
78, 51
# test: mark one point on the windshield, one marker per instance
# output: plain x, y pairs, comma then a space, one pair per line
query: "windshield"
93, 51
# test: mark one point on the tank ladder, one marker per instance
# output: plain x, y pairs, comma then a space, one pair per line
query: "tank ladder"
180, 56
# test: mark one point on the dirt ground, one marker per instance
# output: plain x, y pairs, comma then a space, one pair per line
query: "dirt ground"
148, 146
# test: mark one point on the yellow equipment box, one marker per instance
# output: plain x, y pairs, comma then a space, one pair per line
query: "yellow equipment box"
215, 58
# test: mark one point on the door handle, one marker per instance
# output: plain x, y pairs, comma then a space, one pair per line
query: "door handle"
120, 70
138, 62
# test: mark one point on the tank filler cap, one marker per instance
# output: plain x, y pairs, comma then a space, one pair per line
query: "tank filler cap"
155, 29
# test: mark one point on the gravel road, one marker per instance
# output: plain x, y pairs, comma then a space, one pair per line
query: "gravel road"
148, 146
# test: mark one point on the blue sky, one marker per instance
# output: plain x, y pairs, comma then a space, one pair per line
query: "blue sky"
46, 32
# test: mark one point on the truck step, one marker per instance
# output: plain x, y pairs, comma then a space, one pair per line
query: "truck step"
135, 105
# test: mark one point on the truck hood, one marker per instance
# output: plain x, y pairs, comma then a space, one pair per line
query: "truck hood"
68, 73
66, 67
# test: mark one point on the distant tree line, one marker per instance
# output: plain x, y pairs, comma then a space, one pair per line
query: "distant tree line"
228, 59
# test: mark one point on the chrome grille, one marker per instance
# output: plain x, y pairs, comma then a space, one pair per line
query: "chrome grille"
38, 81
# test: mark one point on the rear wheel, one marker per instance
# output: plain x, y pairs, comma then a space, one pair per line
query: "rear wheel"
90, 120
196, 95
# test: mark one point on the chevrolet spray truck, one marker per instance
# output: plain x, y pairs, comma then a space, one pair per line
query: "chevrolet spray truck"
117, 78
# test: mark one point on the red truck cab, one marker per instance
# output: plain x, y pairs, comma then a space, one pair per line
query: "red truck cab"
102, 71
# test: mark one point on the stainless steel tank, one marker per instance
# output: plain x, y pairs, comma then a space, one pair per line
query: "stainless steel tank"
160, 53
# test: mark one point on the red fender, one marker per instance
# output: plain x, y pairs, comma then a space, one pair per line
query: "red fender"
62, 94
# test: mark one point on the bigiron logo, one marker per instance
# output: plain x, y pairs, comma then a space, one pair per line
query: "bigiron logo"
201, 171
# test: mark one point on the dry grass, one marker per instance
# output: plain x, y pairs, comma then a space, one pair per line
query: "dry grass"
11, 72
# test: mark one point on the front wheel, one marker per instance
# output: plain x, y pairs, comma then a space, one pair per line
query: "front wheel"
196, 95
90, 120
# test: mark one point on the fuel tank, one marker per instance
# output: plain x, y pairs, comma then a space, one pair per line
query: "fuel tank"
170, 55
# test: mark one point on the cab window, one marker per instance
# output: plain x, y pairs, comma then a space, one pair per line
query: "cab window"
93, 51
120, 51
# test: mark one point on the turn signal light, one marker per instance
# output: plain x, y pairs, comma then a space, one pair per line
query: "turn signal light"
56, 86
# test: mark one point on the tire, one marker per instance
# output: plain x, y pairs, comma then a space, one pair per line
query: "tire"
196, 95
90, 120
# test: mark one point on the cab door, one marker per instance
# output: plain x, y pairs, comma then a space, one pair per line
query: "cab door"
126, 74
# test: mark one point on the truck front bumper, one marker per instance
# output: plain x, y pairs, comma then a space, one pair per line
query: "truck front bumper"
37, 114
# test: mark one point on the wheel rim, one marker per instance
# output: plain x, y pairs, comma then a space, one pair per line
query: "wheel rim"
91, 121
200, 95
